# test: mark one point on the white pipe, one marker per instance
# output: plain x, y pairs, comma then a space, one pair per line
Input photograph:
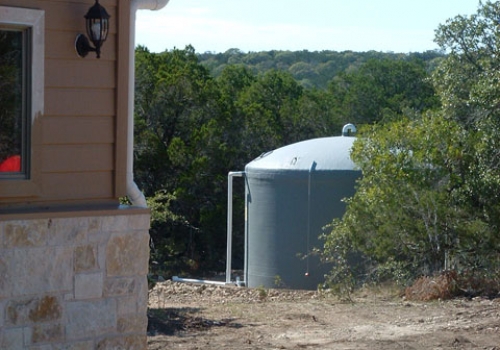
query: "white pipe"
311, 169
134, 194
191, 280
245, 254
229, 247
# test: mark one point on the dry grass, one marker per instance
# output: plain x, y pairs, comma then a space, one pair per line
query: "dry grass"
450, 284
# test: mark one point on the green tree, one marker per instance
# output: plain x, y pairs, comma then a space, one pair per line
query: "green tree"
428, 198
233, 124
176, 99
468, 84
268, 105
383, 88
174, 96
316, 115
403, 209
467, 80
313, 69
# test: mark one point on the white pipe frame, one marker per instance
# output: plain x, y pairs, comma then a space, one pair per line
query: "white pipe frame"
192, 280
229, 245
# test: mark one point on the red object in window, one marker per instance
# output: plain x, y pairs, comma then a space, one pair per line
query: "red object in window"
11, 164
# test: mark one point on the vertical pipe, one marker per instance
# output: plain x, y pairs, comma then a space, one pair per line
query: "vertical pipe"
133, 192
311, 169
245, 261
229, 246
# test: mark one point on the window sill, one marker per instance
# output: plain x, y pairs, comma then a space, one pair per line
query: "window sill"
86, 210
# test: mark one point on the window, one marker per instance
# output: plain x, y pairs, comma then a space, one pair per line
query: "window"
13, 91
21, 94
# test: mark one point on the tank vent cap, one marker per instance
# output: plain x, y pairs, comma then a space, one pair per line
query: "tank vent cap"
349, 130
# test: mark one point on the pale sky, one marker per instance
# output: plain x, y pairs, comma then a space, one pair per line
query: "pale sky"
314, 25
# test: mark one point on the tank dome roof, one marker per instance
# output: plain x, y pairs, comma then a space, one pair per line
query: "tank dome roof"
326, 153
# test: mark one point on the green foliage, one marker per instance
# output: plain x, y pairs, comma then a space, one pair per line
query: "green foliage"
467, 80
311, 69
262, 292
168, 244
382, 90
428, 198
278, 282
414, 212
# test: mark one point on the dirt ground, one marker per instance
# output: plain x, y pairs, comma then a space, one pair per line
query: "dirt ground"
208, 317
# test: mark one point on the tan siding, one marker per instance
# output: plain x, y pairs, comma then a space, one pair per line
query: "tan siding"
85, 73
77, 158
75, 12
83, 132
61, 45
70, 186
79, 102
64, 14
78, 130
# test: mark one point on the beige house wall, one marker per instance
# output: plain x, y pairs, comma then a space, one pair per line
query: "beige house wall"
73, 262
79, 142
74, 282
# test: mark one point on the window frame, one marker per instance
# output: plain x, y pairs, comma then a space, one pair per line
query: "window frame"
34, 21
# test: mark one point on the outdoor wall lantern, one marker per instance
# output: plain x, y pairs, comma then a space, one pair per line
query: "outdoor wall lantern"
97, 23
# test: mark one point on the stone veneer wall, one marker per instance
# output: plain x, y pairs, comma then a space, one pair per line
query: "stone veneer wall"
74, 282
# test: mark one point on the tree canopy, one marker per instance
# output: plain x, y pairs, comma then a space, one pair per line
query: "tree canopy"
311, 69
428, 198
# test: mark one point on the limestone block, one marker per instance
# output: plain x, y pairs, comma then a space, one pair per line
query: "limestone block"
29, 233
119, 286
43, 347
47, 333
87, 319
137, 324
139, 222
142, 296
89, 286
93, 225
86, 258
128, 254
12, 272
95, 234
2, 314
118, 223
68, 231
101, 255
135, 342
33, 310
126, 305
49, 270
12, 339
84, 345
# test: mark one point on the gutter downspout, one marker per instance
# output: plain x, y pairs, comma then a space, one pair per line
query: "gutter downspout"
134, 194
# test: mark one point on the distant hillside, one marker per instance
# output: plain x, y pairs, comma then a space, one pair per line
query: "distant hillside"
313, 69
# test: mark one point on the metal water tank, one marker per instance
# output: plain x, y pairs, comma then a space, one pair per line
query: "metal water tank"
292, 193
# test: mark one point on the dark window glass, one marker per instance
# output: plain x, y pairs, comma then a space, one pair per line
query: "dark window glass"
14, 104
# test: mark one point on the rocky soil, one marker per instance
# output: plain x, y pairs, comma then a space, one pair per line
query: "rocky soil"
209, 317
